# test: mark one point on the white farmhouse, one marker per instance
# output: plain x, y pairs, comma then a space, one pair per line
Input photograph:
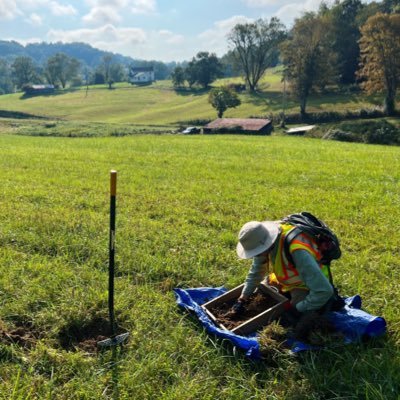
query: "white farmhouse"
141, 75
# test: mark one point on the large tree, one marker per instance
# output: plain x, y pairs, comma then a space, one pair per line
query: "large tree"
390, 6
203, 69
222, 98
346, 34
255, 46
178, 76
23, 71
61, 68
308, 57
380, 57
112, 72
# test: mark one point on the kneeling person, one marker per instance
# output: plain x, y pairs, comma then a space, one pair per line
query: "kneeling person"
304, 279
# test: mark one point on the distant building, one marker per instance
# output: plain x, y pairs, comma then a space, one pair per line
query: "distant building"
38, 89
300, 130
255, 126
141, 75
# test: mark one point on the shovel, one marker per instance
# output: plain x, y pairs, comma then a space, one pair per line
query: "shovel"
114, 339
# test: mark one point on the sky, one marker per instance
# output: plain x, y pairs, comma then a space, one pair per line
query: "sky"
164, 30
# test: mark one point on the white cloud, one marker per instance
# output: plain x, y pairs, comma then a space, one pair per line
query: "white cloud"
8, 9
290, 11
171, 38
35, 20
215, 39
143, 6
102, 16
107, 37
108, 3
59, 10
262, 3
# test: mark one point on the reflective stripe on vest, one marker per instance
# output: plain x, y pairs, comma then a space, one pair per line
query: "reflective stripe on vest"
283, 270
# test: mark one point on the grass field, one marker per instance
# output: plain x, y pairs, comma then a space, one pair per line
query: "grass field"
181, 201
161, 105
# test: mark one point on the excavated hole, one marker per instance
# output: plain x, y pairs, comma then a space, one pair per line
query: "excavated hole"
84, 336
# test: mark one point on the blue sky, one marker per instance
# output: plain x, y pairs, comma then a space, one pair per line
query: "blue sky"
166, 30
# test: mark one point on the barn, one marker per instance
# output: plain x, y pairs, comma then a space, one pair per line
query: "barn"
254, 126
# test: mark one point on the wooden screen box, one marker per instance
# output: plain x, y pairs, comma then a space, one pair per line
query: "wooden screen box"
262, 308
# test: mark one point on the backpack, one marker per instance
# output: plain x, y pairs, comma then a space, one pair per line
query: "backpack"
327, 241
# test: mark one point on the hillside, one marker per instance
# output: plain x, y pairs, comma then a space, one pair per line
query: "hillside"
160, 104
87, 55
40, 52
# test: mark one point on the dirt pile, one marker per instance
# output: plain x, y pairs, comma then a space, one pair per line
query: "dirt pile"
24, 335
255, 305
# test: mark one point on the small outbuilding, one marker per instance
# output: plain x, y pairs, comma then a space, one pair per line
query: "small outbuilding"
254, 126
300, 130
32, 90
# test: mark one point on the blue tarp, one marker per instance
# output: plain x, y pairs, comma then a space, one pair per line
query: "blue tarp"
353, 322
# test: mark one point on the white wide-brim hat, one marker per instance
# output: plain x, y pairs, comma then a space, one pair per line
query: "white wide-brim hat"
256, 237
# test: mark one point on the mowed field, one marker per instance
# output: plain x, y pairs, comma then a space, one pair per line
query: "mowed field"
180, 203
160, 104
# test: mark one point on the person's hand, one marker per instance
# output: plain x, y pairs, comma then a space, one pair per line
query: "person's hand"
237, 308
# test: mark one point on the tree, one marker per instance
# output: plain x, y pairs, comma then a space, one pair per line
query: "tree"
98, 76
390, 6
255, 46
113, 72
61, 68
222, 98
23, 71
178, 76
191, 73
204, 69
346, 34
6, 84
308, 57
380, 61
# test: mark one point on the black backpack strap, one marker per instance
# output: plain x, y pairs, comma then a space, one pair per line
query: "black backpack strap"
288, 239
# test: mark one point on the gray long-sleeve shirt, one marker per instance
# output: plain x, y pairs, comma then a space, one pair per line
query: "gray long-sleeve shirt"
320, 289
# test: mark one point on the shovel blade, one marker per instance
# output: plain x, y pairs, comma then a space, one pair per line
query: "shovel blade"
113, 341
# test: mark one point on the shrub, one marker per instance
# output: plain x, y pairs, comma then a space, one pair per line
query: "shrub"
326, 116
374, 132
384, 133
342, 136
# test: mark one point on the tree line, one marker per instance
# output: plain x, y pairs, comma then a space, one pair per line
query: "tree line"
348, 43
59, 70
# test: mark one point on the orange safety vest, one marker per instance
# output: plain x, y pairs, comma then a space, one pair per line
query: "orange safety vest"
284, 272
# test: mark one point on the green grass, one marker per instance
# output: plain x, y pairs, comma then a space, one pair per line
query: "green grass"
181, 201
160, 105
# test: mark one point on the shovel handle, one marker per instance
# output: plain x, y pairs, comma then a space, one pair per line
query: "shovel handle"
113, 183
113, 192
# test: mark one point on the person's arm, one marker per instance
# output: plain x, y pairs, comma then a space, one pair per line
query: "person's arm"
256, 274
320, 288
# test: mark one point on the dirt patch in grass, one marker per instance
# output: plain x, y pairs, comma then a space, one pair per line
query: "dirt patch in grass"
24, 335
255, 305
85, 336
